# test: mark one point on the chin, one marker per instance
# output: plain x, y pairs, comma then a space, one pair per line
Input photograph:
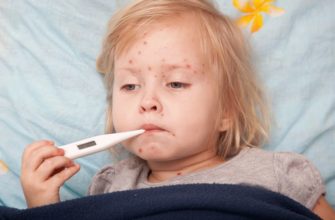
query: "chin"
152, 152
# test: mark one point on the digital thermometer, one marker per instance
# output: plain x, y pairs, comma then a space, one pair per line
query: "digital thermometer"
96, 144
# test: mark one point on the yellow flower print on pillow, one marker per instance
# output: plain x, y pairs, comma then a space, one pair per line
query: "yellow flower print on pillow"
3, 167
253, 10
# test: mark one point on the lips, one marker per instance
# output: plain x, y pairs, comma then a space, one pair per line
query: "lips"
151, 127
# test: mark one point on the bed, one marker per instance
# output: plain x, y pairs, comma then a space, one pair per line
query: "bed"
49, 88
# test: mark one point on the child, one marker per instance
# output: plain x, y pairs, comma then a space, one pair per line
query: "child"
181, 71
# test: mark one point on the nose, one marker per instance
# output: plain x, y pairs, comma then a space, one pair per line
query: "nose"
150, 103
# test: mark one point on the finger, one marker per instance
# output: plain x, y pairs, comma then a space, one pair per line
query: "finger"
30, 153
59, 179
29, 150
52, 166
40, 155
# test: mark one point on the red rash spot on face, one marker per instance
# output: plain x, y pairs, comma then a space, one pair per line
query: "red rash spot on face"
162, 114
155, 76
130, 61
172, 67
195, 72
149, 68
140, 150
139, 52
163, 60
179, 174
188, 66
145, 43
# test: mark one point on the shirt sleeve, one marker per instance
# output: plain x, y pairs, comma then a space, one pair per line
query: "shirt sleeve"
298, 178
101, 181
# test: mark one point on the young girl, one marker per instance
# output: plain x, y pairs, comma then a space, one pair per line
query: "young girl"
181, 71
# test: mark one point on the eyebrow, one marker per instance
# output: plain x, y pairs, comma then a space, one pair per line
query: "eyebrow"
175, 66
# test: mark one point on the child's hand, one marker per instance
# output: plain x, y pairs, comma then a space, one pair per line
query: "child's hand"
44, 170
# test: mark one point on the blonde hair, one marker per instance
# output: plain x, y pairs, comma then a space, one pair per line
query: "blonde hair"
225, 52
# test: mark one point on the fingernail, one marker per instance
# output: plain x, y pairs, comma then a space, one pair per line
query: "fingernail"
49, 142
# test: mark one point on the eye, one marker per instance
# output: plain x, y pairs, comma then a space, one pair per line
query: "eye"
177, 85
129, 87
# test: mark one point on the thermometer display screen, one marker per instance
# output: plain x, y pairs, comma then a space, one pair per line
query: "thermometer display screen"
86, 145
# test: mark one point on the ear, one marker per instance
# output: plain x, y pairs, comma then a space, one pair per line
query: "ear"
225, 125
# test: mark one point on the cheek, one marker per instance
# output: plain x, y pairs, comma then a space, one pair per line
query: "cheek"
200, 110
197, 116
121, 113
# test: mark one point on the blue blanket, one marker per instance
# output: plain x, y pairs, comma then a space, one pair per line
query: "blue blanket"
198, 201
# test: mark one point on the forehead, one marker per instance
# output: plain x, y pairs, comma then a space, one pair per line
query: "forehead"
180, 40
176, 31
165, 43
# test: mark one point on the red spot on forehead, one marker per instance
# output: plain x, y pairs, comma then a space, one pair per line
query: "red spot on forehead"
149, 68
139, 52
130, 61
145, 42
188, 66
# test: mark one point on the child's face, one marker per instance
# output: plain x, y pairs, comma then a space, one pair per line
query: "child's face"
161, 85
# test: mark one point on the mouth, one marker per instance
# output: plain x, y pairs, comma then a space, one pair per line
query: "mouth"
152, 128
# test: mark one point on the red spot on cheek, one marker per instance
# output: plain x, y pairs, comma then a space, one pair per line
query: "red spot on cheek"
149, 68
188, 66
179, 173
172, 67
130, 61
140, 150
145, 43
139, 52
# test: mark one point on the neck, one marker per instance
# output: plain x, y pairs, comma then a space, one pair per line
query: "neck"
162, 171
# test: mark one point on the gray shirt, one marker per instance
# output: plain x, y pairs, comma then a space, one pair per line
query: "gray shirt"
290, 174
